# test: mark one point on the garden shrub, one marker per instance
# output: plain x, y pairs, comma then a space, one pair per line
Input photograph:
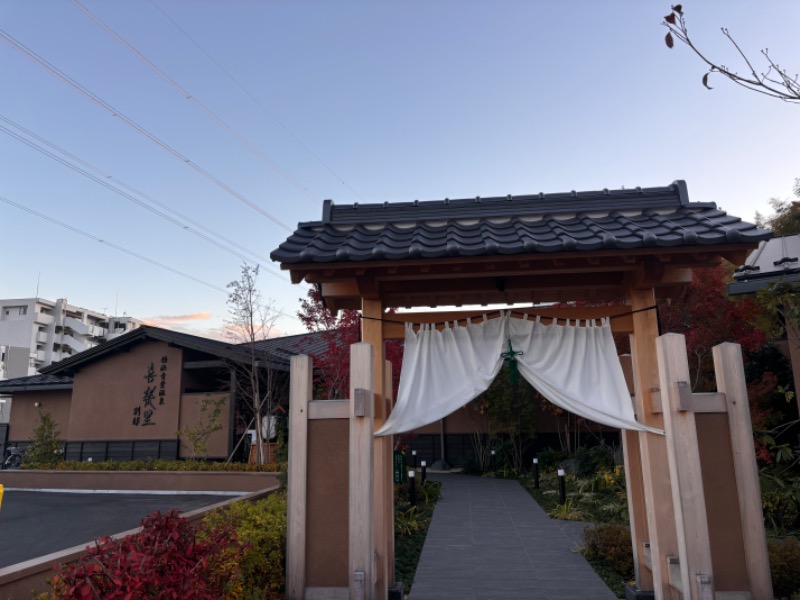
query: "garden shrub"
162, 465
784, 562
781, 509
549, 459
611, 544
45, 449
261, 527
165, 559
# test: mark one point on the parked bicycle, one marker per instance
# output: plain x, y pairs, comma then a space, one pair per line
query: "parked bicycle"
12, 458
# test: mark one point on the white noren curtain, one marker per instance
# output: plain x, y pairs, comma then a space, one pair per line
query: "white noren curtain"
574, 366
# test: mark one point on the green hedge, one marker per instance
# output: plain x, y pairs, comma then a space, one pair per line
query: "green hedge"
161, 465
261, 527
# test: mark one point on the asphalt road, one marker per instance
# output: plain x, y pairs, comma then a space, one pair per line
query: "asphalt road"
37, 523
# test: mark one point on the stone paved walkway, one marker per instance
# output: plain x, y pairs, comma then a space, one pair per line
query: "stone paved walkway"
489, 540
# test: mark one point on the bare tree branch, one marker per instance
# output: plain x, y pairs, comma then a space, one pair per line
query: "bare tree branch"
775, 82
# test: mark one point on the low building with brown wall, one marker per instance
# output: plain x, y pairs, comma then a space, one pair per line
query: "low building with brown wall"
129, 398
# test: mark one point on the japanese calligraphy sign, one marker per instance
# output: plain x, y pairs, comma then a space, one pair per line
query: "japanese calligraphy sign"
145, 411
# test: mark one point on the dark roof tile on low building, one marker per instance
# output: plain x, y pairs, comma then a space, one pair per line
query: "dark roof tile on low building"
774, 260
312, 344
543, 223
36, 382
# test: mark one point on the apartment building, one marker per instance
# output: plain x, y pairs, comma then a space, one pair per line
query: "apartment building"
35, 333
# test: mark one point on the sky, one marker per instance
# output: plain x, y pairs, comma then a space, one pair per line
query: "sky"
237, 119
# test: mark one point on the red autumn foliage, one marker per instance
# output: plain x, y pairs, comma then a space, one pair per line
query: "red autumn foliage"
332, 366
707, 316
163, 561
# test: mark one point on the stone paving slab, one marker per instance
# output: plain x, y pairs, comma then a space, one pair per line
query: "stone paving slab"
489, 540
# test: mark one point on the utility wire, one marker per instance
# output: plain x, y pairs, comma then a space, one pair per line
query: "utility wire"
110, 244
260, 104
57, 73
205, 109
105, 182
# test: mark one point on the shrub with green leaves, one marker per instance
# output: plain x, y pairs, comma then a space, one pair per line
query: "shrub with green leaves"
611, 544
45, 448
261, 527
784, 562
161, 465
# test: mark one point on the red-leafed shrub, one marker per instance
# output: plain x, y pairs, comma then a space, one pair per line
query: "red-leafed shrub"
165, 560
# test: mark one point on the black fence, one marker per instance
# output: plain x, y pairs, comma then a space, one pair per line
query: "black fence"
3, 440
116, 450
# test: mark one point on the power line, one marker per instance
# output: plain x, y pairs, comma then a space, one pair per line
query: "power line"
55, 72
258, 102
105, 182
110, 244
205, 109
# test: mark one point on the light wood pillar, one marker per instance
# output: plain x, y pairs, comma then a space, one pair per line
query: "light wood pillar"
652, 447
731, 382
688, 496
383, 512
388, 480
299, 397
362, 543
634, 486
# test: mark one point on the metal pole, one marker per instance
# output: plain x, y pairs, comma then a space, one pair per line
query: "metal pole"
424, 477
562, 487
536, 473
412, 489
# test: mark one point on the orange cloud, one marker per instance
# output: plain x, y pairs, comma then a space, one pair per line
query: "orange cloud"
173, 319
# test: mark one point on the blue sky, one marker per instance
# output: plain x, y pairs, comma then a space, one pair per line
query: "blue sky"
357, 102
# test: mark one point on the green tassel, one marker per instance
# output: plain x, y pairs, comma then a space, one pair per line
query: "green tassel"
510, 357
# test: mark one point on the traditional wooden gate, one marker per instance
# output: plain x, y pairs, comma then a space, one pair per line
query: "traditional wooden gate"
622, 247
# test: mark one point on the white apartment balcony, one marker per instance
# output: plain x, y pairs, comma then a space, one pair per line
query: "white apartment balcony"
44, 319
84, 329
39, 356
41, 337
76, 325
75, 344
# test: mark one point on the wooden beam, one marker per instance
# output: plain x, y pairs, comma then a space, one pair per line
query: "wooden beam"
340, 289
688, 497
731, 382
652, 447
388, 480
328, 409
300, 395
704, 402
372, 333
394, 325
634, 487
361, 545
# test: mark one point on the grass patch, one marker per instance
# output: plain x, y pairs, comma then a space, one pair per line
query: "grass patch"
615, 582
411, 527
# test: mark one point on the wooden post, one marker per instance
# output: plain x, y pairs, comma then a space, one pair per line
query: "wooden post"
729, 370
383, 514
653, 450
688, 498
634, 486
361, 544
300, 388
388, 482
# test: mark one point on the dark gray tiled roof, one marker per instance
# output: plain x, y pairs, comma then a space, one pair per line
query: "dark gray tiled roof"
543, 223
35, 382
773, 260
285, 347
